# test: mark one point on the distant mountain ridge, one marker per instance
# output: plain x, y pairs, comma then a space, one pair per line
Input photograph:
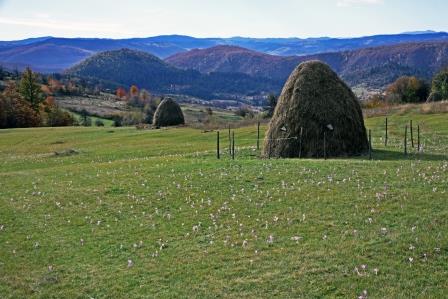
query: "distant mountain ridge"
50, 54
228, 72
234, 59
373, 67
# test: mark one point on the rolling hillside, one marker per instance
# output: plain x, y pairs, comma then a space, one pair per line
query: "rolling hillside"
231, 59
126, 67
373, 67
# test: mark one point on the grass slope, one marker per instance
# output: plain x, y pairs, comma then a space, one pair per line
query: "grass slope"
153, 214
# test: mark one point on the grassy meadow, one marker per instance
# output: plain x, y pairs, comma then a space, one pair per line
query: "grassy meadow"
126, 213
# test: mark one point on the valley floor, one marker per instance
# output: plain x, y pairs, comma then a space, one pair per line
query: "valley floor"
123, 213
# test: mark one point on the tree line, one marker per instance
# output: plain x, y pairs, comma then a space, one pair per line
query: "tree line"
28, 103
410, 89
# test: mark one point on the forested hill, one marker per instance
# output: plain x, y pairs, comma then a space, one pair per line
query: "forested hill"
127, 67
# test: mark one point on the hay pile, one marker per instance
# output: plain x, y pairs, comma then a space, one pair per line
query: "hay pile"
168, 113
315, 99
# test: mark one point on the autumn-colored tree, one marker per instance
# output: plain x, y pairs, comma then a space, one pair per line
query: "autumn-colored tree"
133, 91
121, 93
50, 101
374, 101
46, 90
30, 89
407, 90
15, 112
54, 85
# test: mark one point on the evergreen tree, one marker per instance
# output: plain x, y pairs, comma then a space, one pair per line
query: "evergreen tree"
272, 102
440, 84
30, 89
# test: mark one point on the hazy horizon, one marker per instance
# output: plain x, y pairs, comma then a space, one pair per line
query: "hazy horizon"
224, 37
21, 19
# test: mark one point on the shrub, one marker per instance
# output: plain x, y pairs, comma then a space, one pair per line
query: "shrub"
58, 118
245, 112
132, 118
99, 123
86, 122
375, 101
117, 121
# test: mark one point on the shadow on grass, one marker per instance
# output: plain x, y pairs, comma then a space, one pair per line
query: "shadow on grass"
388, 155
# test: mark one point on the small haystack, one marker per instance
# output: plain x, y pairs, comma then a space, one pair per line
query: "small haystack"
168, 114
317, 103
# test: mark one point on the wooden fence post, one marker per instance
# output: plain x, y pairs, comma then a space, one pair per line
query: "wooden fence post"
406, 140
230, 143
233, 145
418, 138
387, 136
412, 135
217, 145
258, 136
300, 142
370, 144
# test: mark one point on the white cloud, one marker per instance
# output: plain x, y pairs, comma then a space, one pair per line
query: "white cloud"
345, 3
45, 22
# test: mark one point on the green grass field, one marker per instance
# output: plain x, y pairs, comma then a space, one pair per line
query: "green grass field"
143, 214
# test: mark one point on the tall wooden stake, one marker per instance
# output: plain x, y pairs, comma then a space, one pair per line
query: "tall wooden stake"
418, 138
406, 140
233, 145
370, 144
300, 142
230, 143
258, 136
217, 145
387, 136
412, 135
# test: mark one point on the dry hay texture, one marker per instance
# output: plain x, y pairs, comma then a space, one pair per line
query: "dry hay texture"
168, 113
315, 99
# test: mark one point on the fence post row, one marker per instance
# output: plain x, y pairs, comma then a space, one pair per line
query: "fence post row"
231, 136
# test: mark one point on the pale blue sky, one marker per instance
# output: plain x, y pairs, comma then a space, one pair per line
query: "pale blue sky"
218, 18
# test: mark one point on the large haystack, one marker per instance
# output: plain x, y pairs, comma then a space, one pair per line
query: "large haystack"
317, 102
168, 114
